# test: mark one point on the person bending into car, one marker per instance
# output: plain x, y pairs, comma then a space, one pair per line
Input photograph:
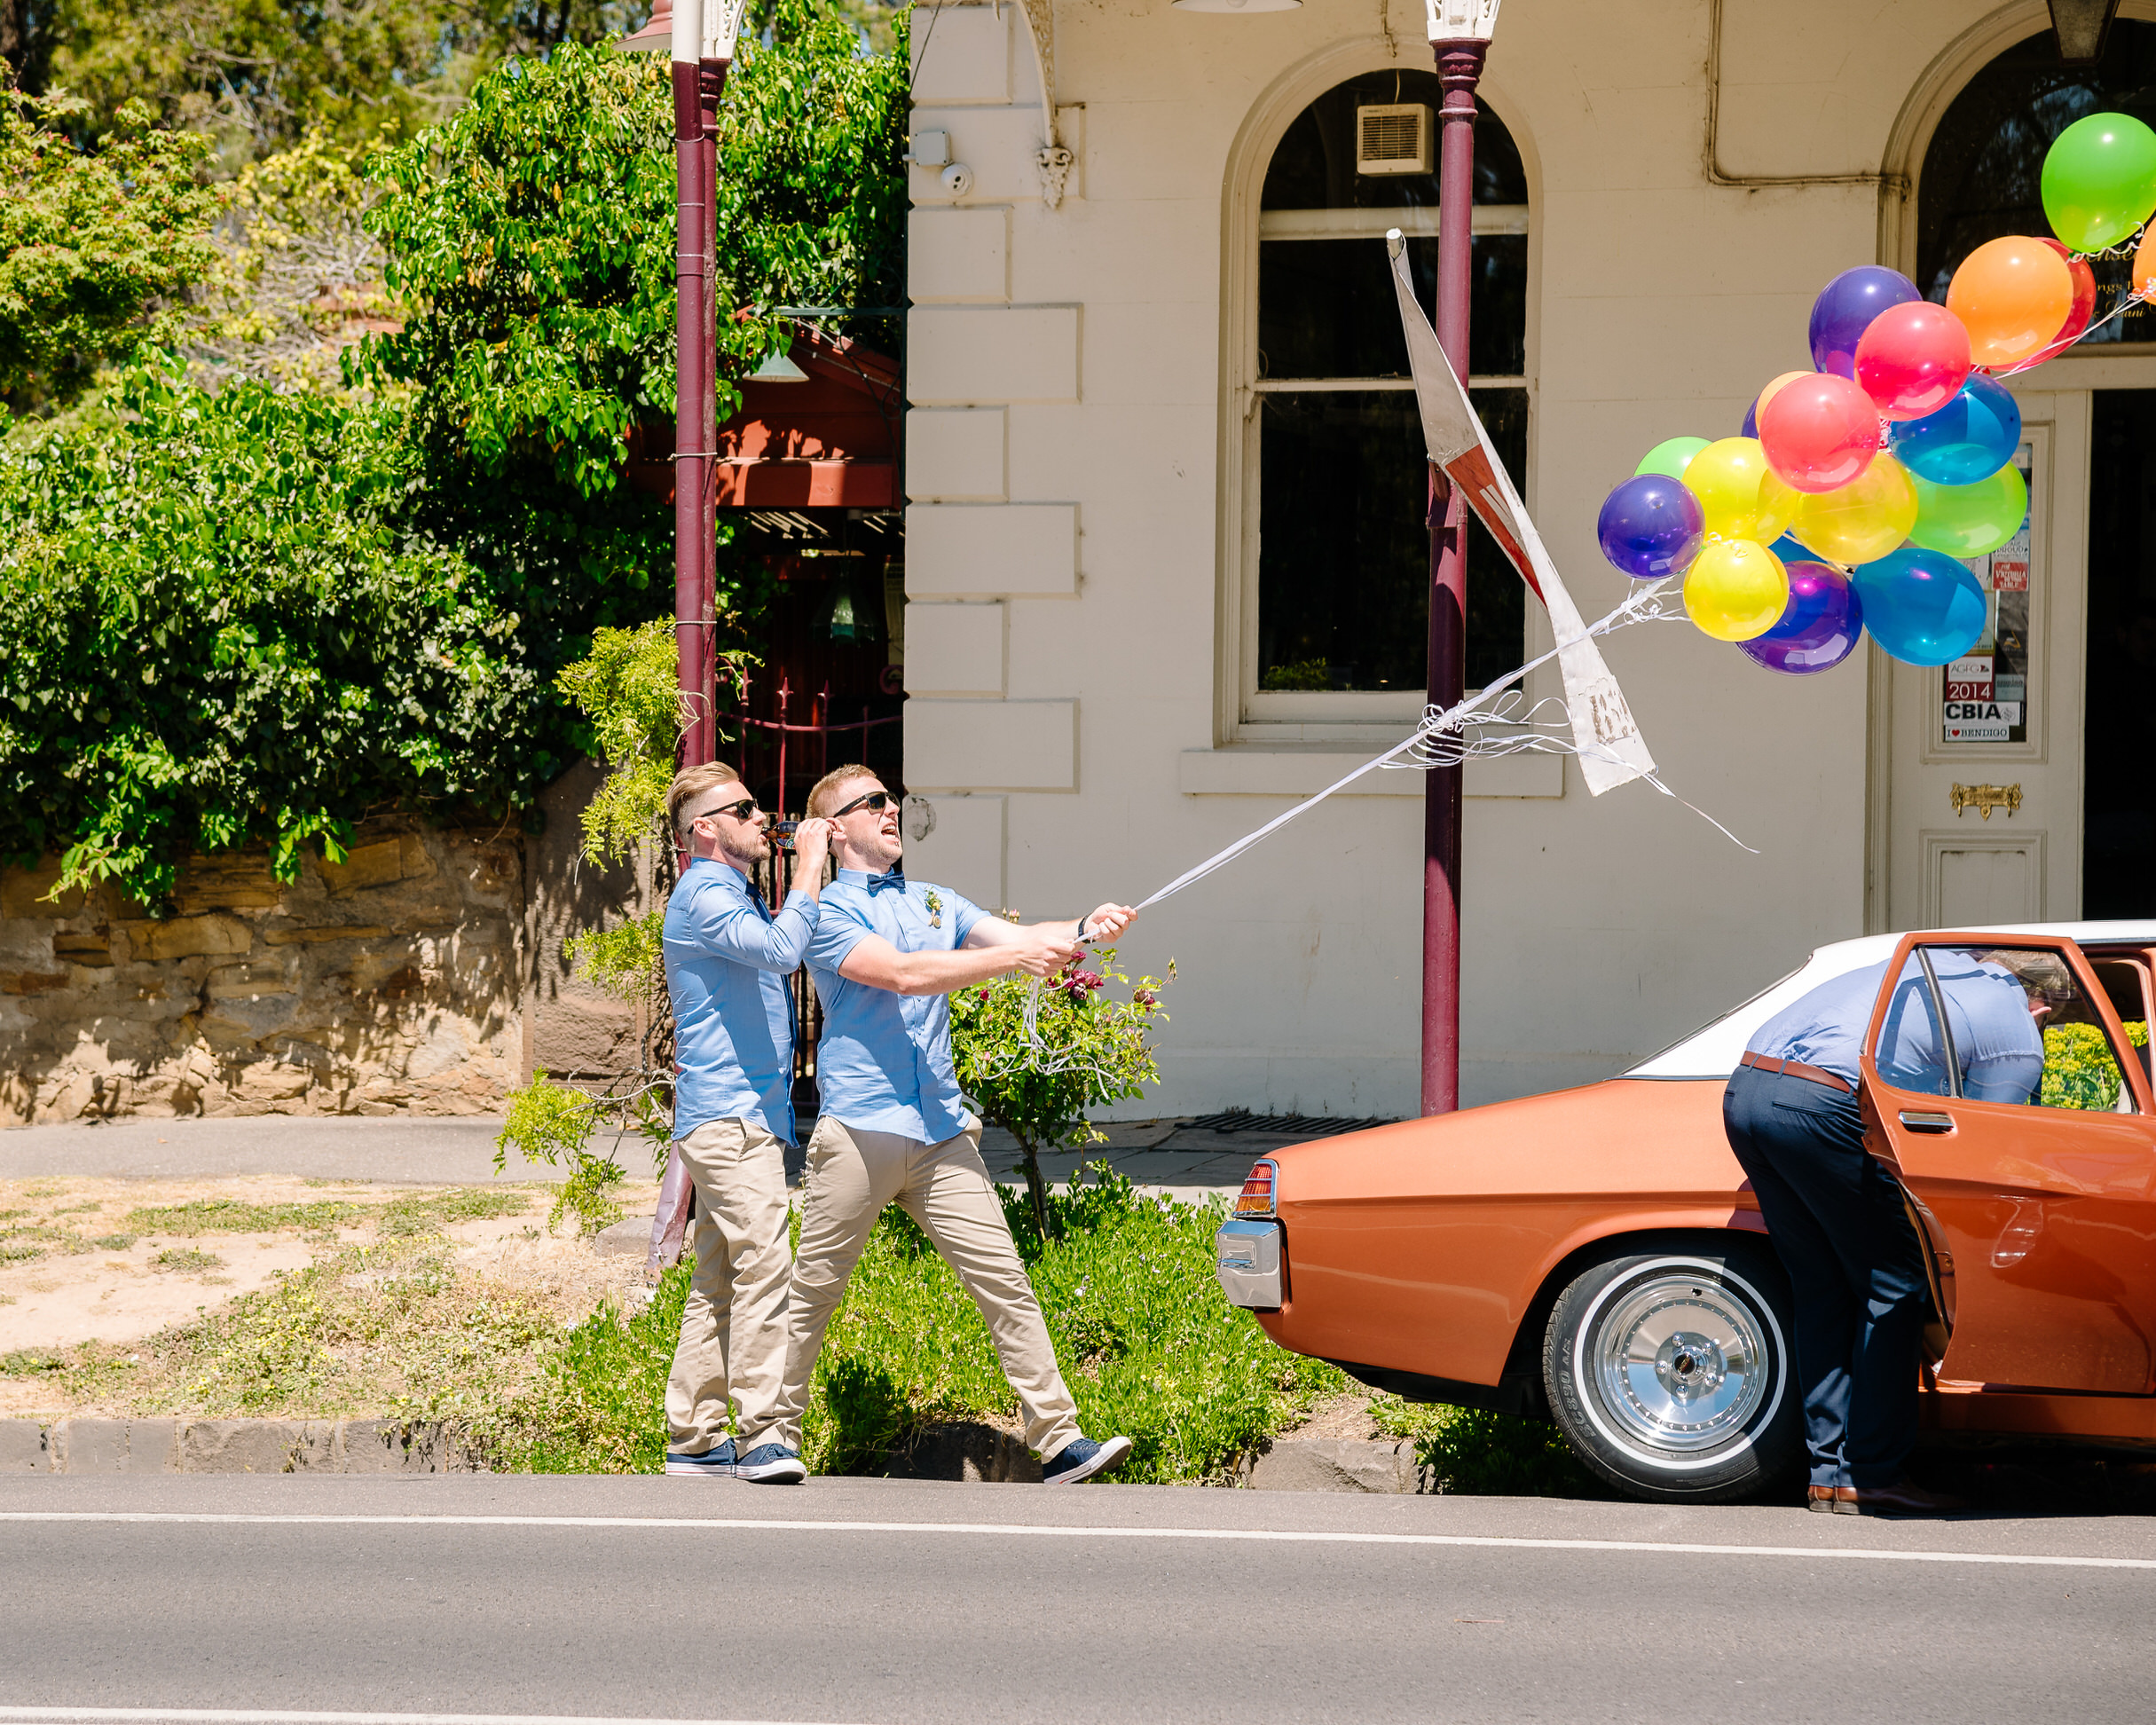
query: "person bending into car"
727, 959
1835, 1218
893, 1127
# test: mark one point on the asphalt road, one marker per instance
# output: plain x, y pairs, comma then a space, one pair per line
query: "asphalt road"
888, 1600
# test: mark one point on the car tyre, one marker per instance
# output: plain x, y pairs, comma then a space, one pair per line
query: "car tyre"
1670, 1372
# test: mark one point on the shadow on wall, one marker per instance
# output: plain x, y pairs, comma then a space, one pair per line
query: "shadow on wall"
401, 980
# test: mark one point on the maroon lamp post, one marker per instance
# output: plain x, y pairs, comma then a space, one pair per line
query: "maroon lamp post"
700, 36
1459, 32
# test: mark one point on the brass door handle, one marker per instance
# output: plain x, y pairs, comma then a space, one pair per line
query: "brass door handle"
1927, 1122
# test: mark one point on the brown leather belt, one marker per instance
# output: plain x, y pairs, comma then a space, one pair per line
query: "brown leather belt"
1798, 1069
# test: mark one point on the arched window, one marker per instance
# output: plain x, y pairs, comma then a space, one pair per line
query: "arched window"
1340, 567
1983, 169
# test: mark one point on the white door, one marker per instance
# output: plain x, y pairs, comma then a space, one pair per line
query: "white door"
1982, 771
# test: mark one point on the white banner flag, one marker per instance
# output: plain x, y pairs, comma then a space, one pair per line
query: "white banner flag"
1611, 750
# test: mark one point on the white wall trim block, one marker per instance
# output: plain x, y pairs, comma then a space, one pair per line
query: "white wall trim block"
954, 649
961, 355
956, 551
962, 54
992, 746
957, 455
958, 255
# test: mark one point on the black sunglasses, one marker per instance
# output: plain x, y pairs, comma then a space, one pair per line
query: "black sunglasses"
744, 810
878, 800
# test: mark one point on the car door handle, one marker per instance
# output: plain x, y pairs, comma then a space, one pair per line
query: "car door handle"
1927, 1122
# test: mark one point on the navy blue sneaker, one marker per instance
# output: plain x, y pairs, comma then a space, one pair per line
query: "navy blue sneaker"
1080, 1459
771, 1464
714, 1464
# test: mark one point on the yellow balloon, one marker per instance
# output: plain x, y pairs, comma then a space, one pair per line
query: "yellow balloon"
1742, 497
1864, 520
1735, 589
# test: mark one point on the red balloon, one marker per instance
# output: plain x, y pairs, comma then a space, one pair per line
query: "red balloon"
1913, 360
1820, 432
2077, 319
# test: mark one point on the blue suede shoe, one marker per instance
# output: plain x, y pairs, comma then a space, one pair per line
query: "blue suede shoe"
771, 1464
1080, 1459
715, 1463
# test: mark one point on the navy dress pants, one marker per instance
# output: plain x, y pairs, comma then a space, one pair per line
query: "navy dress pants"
1837, 1223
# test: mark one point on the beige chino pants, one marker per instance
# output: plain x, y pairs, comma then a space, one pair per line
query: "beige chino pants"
852, 1174
733, 1346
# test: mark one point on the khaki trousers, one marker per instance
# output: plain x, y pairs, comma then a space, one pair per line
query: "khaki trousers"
852, 1174
733, 1344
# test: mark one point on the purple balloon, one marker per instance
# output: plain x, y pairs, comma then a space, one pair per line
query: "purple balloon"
1844, 309
1651, 526
1820, 628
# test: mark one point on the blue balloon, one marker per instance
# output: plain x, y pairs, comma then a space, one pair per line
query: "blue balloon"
1921, 606
1821, 627
1970, 438
1844, 309
1651, 526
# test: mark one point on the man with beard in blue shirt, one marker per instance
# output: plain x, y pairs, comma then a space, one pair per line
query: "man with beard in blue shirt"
728, 959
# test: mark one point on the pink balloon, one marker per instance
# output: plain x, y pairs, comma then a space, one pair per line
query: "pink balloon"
1913, 360
1820, 432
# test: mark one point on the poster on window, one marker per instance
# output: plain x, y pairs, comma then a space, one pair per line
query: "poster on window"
1984, 696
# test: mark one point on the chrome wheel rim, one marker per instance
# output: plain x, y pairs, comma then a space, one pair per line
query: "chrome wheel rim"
1679, 1362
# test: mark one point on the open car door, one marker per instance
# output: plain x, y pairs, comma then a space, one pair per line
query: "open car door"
2029, 1150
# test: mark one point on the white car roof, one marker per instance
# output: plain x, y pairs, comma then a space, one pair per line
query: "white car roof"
1714, 1051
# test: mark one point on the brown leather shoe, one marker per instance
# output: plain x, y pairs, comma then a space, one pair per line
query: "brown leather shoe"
1831, 1500
1905, 1497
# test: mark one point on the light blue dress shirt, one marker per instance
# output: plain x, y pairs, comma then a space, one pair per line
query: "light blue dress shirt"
1997, 1044
728, 959
884, 1062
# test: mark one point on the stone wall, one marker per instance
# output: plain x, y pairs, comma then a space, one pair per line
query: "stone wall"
394, 981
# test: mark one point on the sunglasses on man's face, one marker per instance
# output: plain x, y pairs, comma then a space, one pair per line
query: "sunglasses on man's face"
744, 810
878, 800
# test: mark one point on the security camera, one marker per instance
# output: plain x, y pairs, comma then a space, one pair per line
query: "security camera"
957, 179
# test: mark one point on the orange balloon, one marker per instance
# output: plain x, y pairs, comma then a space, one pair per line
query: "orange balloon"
2144, 262
2013, 294
1775, 389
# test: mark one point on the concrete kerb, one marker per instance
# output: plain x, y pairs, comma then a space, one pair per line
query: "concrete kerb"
231, 1447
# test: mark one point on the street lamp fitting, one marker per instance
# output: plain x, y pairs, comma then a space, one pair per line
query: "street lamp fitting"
1461, 21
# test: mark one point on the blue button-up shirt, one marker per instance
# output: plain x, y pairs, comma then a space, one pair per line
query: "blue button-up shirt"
884, 1063
728, 959
1998, 1045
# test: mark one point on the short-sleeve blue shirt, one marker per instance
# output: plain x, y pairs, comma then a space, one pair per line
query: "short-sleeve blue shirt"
728, 959
884, 1062
1998, 1043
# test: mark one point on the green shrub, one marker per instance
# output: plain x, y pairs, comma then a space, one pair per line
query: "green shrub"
2079, 1071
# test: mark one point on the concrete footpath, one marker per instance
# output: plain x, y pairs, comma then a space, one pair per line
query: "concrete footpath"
1171, 1155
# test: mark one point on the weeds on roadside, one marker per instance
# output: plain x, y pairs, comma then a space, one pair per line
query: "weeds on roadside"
1472, 1454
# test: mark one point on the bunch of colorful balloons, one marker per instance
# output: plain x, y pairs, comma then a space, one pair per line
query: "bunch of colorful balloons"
1856, 488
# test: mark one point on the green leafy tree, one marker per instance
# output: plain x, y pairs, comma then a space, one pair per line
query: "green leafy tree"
94, 245
1034, 1055
218, 633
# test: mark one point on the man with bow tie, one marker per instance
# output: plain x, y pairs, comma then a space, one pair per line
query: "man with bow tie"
893, 1127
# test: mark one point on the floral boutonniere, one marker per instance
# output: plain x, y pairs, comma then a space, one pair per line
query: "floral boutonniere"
935, 908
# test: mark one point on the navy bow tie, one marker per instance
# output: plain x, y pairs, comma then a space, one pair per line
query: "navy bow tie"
894, 878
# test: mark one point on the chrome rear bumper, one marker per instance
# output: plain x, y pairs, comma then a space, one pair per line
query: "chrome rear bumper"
1246, 1259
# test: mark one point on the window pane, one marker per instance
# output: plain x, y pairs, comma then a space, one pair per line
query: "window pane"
1343, 557
1982, 171
1327, 308
1314, 166
1910, 1053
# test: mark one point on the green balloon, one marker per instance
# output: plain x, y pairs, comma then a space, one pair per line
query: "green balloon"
2099, 181
1671, 458
1967, 521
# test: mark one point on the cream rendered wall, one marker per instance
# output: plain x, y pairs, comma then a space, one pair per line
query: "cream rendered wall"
1596, 930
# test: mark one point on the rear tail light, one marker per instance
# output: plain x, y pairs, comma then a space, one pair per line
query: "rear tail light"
1259, 1190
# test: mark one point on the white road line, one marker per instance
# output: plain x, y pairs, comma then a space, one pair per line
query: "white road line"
272, 1716
1032, 1530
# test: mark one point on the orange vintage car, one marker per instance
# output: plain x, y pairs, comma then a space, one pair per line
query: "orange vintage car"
1594, 1257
